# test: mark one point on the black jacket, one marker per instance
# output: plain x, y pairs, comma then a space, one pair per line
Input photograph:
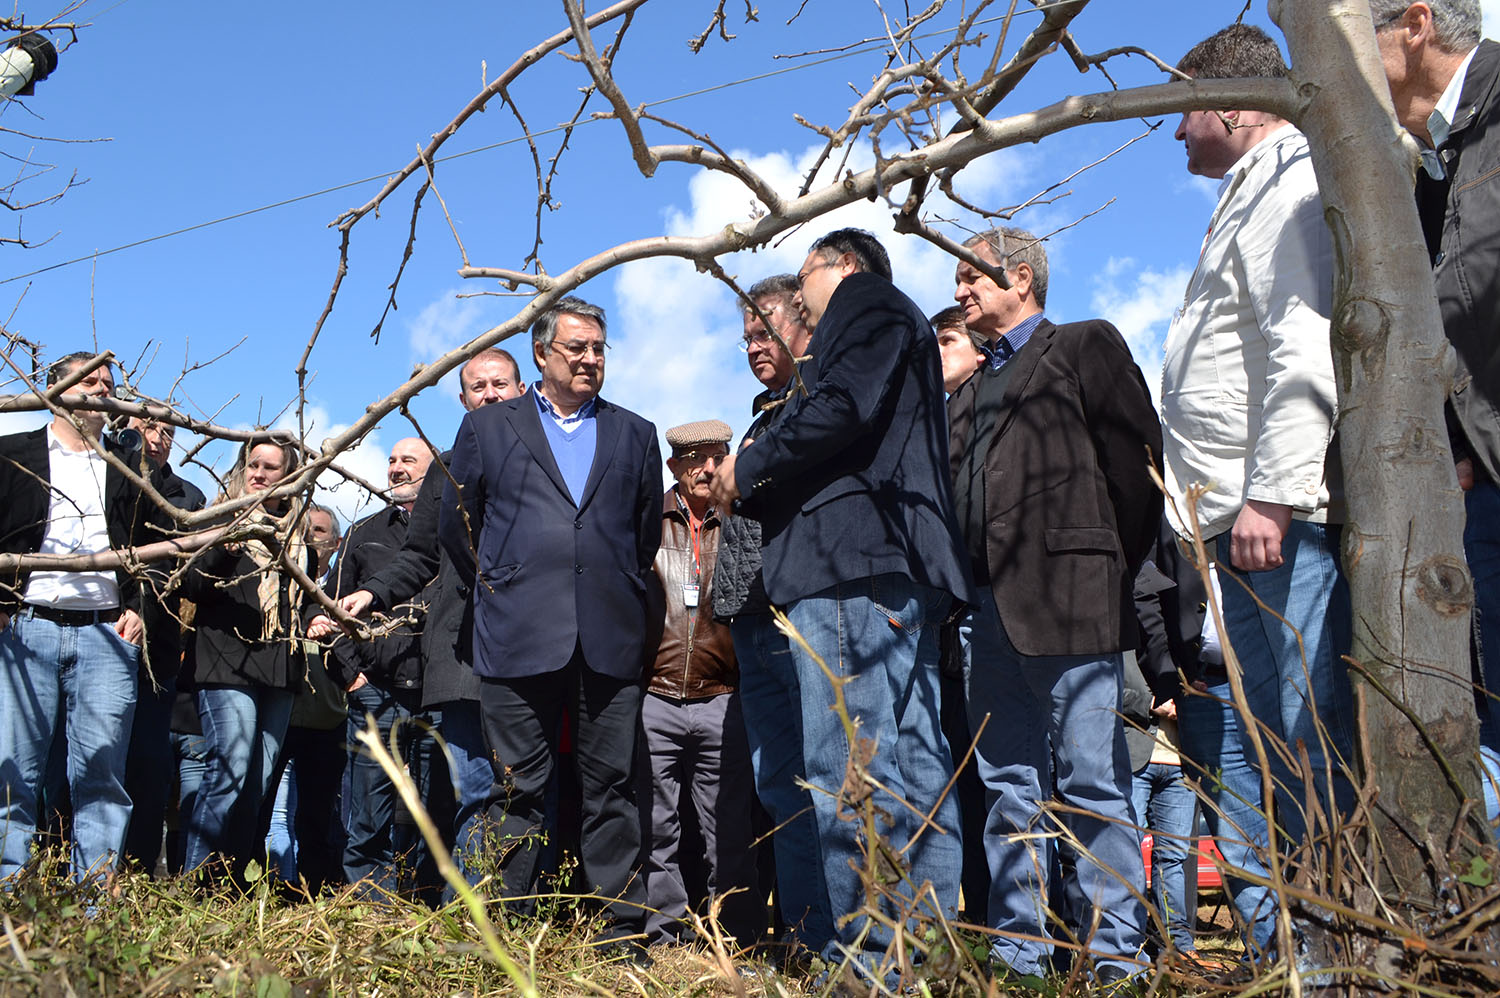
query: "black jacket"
130, 517
1070, 510
392, 662
852, 481
551, 574
1461, 219
421, 572
227, 649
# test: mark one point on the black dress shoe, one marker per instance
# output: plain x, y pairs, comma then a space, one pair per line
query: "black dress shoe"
1116, 980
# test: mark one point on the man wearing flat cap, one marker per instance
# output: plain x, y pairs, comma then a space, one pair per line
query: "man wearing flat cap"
691, 711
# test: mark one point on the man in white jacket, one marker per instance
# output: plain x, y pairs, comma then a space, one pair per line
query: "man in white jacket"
1248, 405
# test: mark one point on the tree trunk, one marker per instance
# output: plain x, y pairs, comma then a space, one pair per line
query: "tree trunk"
1403, 542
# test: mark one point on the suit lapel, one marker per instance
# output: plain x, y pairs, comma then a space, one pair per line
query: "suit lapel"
526, 421
606, 436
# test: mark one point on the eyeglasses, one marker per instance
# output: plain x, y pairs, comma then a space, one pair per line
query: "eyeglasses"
802, 276
759, 339
697, 457
579, 348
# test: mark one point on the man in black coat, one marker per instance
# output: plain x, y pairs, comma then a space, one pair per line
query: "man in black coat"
553, 515
1052, 444
1445, 82
70, 641
861, 549
421, 571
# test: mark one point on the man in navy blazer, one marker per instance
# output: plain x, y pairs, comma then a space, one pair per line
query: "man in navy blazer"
862, 550
554, 512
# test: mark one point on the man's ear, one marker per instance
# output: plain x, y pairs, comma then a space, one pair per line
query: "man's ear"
1020, 279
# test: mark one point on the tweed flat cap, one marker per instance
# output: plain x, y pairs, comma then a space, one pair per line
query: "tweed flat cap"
705, 431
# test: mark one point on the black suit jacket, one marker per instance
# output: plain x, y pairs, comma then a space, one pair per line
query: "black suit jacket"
551, 574
131, 518
1070, 509
1461, 220
851, 482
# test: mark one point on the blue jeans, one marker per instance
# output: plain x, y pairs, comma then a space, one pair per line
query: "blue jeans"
883, 633
1053, 731
281, 841
469, 766
1213, 758
191, 753
82, 681
244, 728
381, 851
1165, 805
1296, 702
771, 703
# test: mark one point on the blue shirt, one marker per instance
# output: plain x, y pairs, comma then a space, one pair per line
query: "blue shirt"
1009, 344
572, 439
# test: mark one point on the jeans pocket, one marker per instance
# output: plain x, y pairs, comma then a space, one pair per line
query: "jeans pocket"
895, 598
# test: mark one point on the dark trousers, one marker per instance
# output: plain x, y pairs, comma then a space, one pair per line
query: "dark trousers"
521, 723
392, 854
317, 825
149, 762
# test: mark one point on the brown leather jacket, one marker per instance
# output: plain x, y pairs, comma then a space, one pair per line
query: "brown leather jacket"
694, 652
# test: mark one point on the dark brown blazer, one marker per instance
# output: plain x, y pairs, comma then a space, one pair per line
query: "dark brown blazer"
1070, 507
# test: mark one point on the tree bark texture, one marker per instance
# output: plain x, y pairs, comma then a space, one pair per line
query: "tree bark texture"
1403, 541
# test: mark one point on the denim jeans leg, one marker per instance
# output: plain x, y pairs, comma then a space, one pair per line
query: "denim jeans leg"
725, 816
1164, 806
369, 853
281, 843
191, 753
244, 728
1037, 710
469, 767
882, 633
31, 705
771, 703
1309, 703
1213, 758
99, 689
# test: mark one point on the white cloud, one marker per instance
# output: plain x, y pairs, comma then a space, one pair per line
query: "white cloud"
446, 323
367, 460
675, 330
1491, 9
1140, 302
20, 422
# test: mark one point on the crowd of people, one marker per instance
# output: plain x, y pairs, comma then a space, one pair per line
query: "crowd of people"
955, 516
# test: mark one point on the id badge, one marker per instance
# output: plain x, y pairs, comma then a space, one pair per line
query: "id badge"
690, 594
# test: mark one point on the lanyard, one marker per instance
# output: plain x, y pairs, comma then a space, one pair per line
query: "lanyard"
695, 527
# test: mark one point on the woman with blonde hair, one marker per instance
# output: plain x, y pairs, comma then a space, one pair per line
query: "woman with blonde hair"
247, 666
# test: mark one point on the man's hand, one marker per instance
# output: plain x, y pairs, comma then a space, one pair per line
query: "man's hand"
4, 620
723, 487
359, 681
130, 628
1166, 710
1465, 469
1255, 540
357, 603
321, 626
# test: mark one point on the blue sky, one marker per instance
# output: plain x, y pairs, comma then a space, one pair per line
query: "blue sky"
211, 110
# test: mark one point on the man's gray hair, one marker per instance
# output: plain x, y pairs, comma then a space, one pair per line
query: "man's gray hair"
545, 328
65, 365
1458, 24
868, 254
333, 518
781, 286
1012, 247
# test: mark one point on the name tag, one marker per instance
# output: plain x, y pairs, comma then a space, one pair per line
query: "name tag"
690, 594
